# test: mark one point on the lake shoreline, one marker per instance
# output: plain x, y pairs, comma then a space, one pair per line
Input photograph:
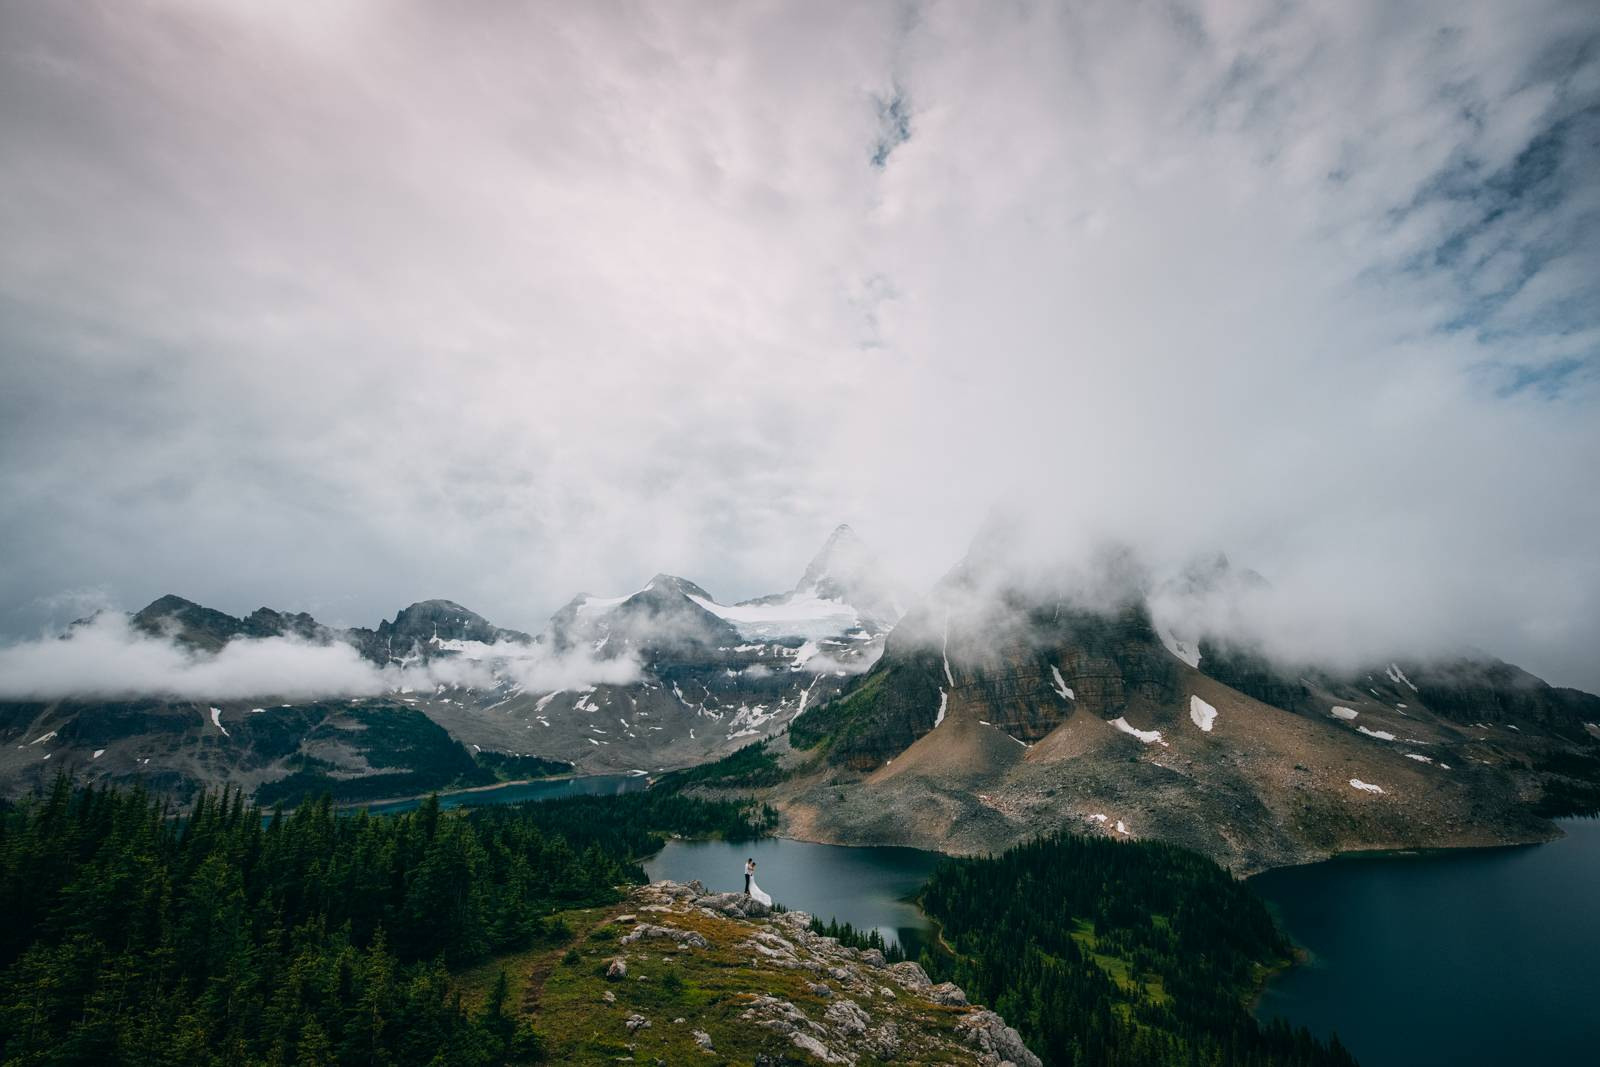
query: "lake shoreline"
1395, 850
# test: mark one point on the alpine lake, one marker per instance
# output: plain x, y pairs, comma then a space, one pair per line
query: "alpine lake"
1463, 957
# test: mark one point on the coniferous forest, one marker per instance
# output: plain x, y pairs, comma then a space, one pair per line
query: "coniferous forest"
134, 934
222, 936
1115, 954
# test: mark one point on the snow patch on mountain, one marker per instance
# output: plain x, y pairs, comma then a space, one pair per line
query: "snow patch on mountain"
1398, 676
1149, 737
805, 616
1188, 651
1061, 687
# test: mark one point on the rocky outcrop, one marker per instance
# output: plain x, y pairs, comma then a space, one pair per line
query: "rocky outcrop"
686, 938
799, 996
989, 1033
737, 905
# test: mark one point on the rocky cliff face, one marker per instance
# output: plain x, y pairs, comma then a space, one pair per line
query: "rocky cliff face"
679, 975
1026, 665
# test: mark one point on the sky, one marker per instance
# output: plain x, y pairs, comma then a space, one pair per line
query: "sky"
335, 307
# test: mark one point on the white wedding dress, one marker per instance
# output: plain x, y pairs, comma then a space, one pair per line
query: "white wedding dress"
757, 895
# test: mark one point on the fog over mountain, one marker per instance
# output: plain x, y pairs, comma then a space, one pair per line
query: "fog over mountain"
339, 307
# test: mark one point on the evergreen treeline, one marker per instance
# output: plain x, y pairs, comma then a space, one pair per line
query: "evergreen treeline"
307, 938
1112, 953
509, 767
850, 937
750, 767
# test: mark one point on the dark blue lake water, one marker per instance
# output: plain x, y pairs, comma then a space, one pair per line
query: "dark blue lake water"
867, 887
1462, 958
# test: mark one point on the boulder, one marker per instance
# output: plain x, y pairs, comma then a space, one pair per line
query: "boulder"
675, 934
807, 1043
736, 905
999, 1043
617, 969
910, 976
848, 1017
779, 1016
884, 1042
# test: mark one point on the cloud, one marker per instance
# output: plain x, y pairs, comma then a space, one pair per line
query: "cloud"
106, 657
536, 668
351, 308
824, 663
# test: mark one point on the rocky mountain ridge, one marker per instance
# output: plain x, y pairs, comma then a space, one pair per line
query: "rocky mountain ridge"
414, 632
999, 711
664, 677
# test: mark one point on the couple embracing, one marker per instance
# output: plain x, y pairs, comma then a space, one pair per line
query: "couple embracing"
752, 890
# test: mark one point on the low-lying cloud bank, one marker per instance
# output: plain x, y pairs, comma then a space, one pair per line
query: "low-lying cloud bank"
107, 657
1300, 617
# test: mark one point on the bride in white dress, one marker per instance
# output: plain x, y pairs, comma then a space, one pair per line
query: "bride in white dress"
752, 890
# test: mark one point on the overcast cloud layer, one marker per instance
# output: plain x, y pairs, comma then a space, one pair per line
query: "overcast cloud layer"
334, 307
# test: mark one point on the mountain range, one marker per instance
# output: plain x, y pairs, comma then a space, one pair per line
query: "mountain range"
690, 679
1000, 705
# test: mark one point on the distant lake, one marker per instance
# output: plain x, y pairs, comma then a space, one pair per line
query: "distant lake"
866, 887
515, 792
1488, 956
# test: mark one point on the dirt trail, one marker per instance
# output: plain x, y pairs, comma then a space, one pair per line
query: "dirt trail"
545, 965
